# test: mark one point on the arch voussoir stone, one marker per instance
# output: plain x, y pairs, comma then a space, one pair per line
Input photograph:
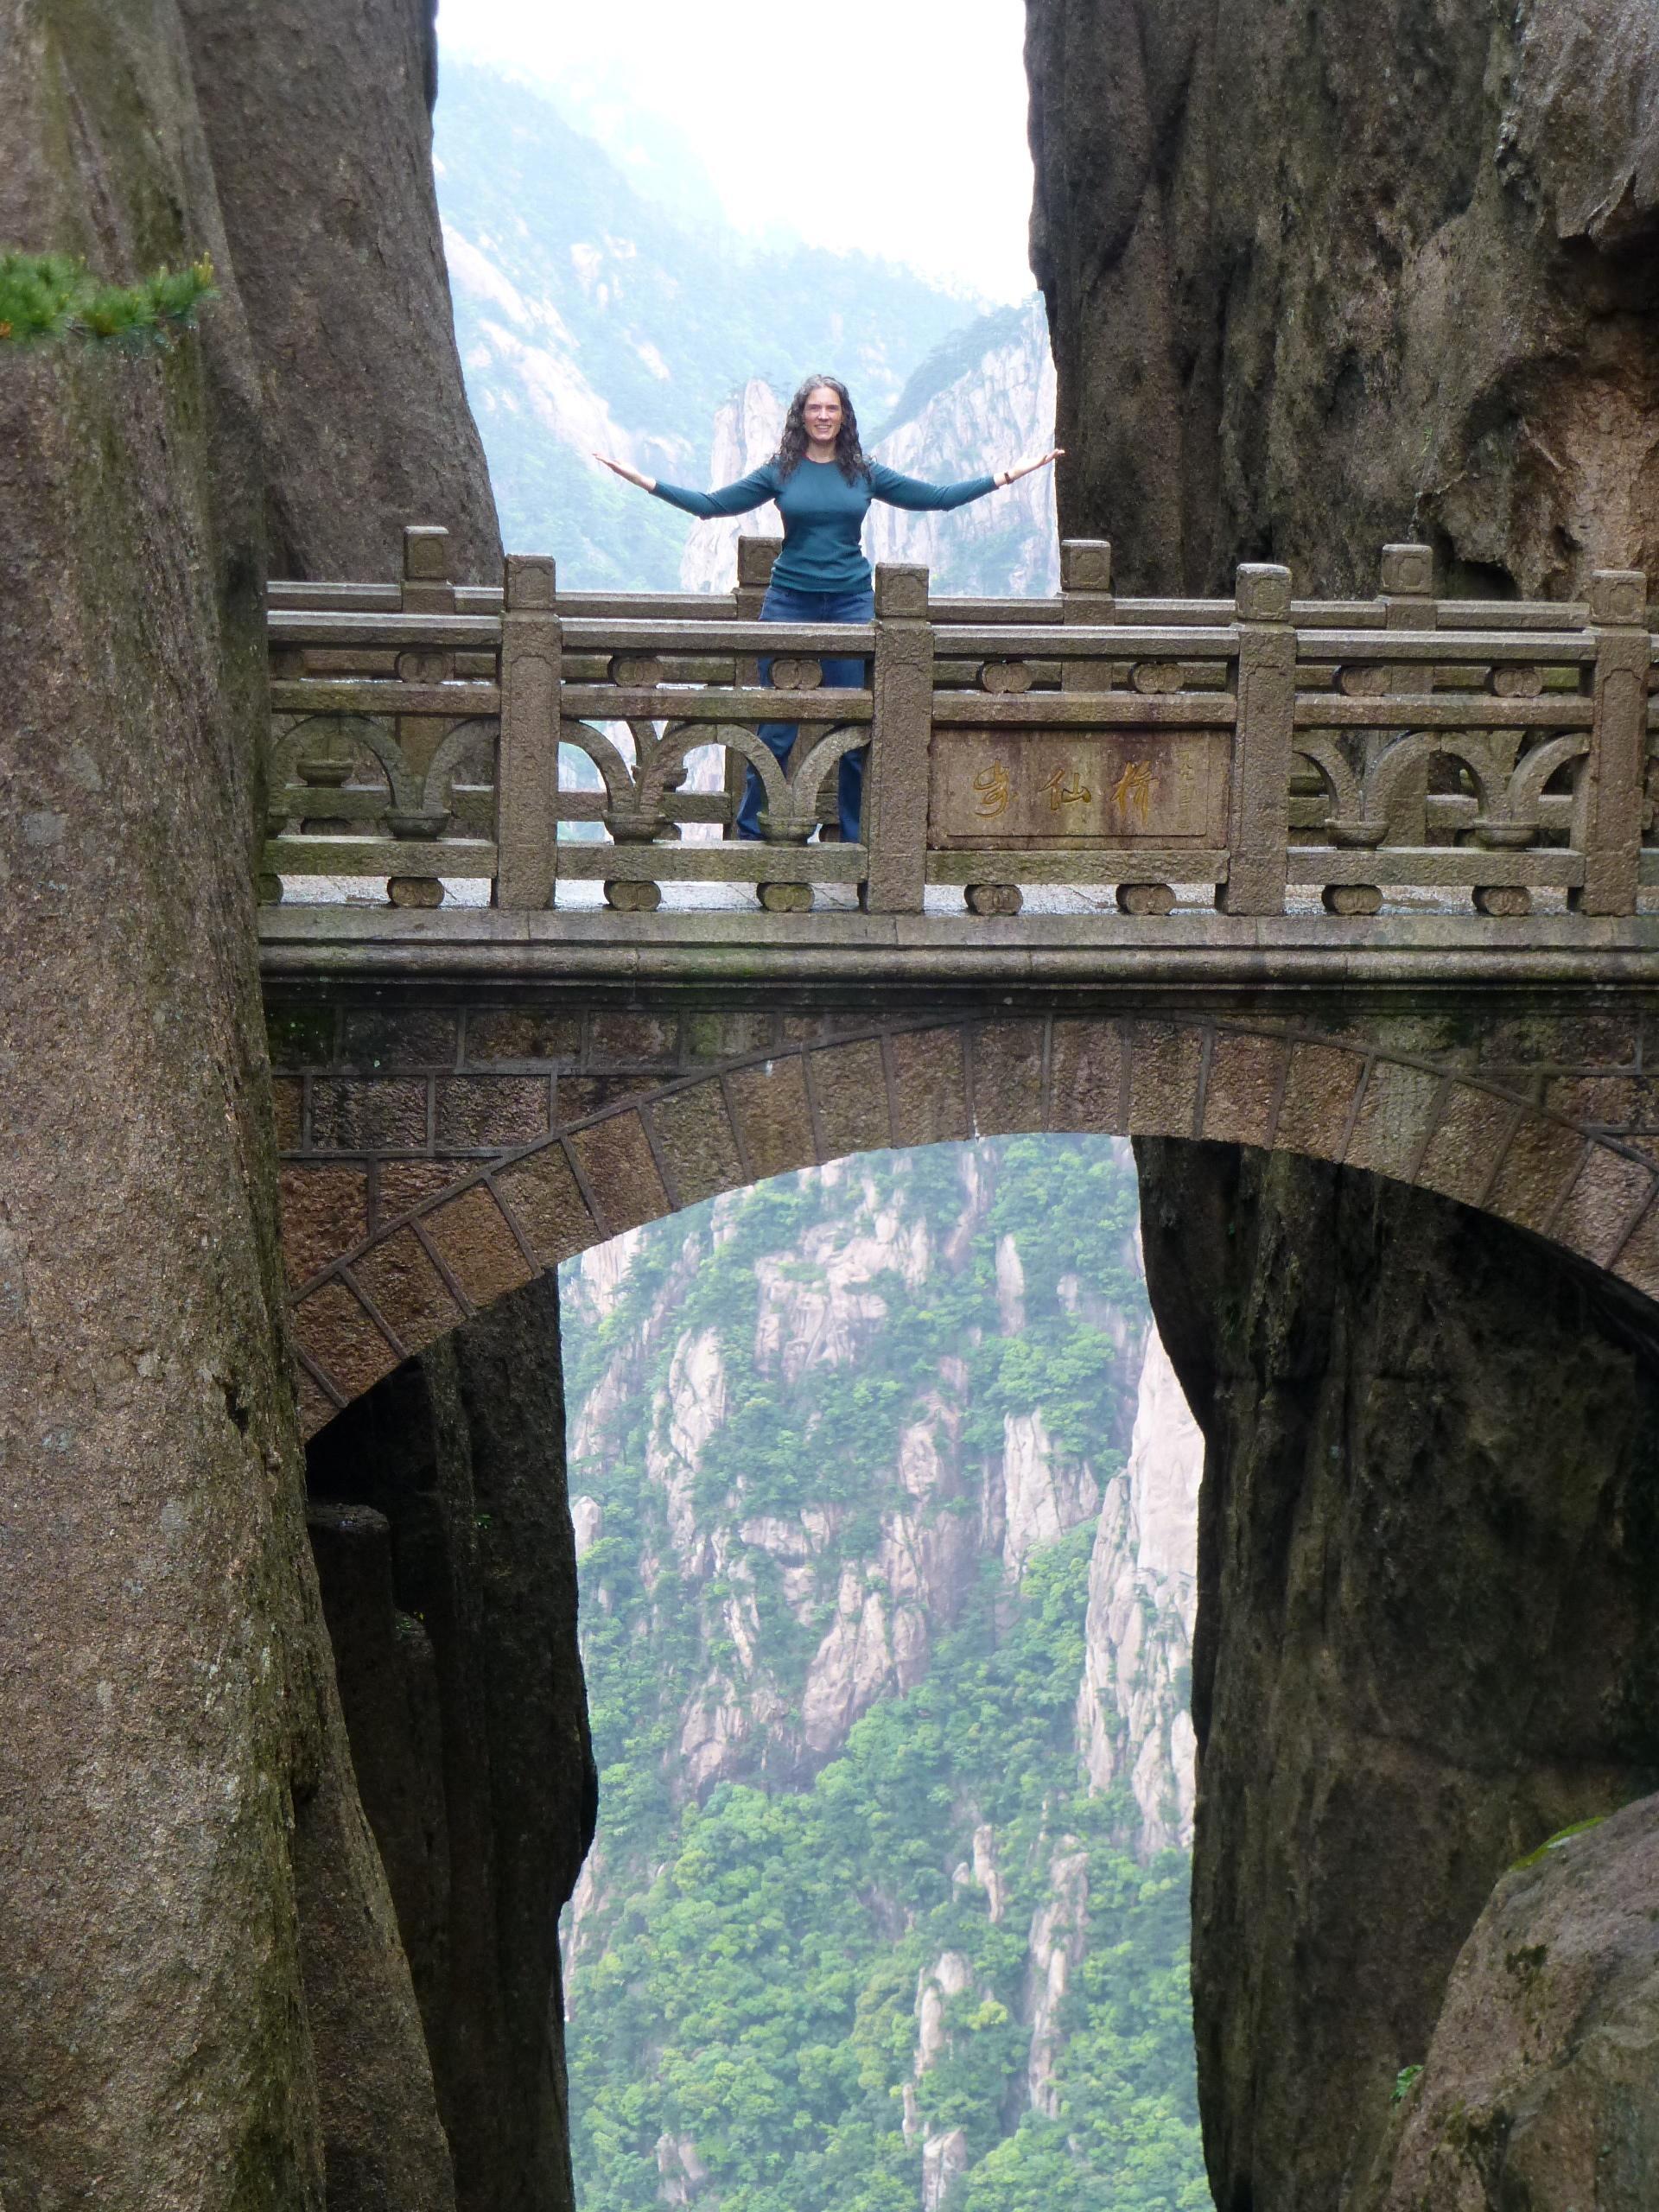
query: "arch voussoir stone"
430, 1169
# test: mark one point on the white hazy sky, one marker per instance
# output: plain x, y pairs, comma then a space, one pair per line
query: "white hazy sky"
896, 126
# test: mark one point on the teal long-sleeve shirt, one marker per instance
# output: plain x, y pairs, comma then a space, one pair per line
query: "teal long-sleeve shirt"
823, 514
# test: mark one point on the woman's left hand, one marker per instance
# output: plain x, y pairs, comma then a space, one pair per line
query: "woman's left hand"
1025, 467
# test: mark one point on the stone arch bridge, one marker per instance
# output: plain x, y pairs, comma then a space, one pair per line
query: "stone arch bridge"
1362, 880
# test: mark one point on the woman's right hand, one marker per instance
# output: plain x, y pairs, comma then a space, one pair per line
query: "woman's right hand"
628, 475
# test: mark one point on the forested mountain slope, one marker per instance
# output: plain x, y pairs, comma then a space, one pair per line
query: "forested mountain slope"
885, 1506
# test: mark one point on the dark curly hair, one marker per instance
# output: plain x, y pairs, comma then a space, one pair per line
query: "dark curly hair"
792, 446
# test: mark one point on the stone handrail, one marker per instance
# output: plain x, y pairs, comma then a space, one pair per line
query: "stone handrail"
1475, 752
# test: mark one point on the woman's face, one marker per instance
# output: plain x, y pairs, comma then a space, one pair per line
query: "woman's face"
822, 413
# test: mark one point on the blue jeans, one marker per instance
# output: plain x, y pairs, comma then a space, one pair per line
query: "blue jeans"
840, 674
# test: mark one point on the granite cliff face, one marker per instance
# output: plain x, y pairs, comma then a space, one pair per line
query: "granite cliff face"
872, 1611
1538, 2087
816, 1428
1427, 1639
1132, 1718
206, 2002
1318, 279
985, 400
208, 1993
319, 125
447, 1565
1324, 278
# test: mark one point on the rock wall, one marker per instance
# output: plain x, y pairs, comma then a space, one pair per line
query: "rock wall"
1317, 279
1427, 1639
319, 122
1132, 1722
205, 2000
447, 1565
208, 1998
1542, 2085
319, 125
1323, 277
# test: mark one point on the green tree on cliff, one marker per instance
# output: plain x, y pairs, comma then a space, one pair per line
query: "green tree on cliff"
47, 298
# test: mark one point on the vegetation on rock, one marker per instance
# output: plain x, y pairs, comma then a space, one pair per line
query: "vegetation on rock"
800, 1984
47, 297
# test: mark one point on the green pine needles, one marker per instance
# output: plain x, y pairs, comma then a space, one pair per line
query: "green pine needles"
53, 298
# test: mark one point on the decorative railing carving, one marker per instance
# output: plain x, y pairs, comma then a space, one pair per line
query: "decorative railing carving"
1257, 748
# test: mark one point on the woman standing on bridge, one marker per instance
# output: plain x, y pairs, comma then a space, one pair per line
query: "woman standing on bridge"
823, 484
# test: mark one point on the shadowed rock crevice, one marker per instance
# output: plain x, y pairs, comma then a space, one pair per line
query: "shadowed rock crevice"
447, 1565
1427, 1636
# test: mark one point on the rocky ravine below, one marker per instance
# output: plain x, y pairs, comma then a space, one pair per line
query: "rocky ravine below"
873, 1614
809, 1614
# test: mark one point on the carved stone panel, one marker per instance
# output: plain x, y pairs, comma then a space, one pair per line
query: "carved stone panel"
995, 790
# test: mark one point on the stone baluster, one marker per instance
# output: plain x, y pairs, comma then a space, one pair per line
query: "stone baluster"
896, 781
1607, 816
755, 556
1258, 835
1086, 597
527, 754
1407, 603
427, 587
428, 584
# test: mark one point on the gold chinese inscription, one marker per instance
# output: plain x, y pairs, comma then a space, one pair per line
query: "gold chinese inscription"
996, 789
1065, 787
1133, 791
992, 788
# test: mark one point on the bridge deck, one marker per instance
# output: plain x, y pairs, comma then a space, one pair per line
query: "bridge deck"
736, 955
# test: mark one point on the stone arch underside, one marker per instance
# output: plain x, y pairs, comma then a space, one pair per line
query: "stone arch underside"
436, 1160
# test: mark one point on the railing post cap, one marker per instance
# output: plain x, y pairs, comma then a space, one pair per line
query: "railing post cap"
1263, 592
1618, 597
426, 553
901, 590
529, 583
1086, 564
755, 555
1408, 571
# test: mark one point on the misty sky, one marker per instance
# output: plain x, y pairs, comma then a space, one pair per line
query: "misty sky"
898, 126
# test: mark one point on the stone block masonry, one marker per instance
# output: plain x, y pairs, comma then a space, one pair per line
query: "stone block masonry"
405, 1211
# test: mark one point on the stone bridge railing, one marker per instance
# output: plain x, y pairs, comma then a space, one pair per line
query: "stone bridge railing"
1470, 752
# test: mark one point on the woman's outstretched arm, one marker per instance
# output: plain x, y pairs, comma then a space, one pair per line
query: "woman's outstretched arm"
749, 492
914, 492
